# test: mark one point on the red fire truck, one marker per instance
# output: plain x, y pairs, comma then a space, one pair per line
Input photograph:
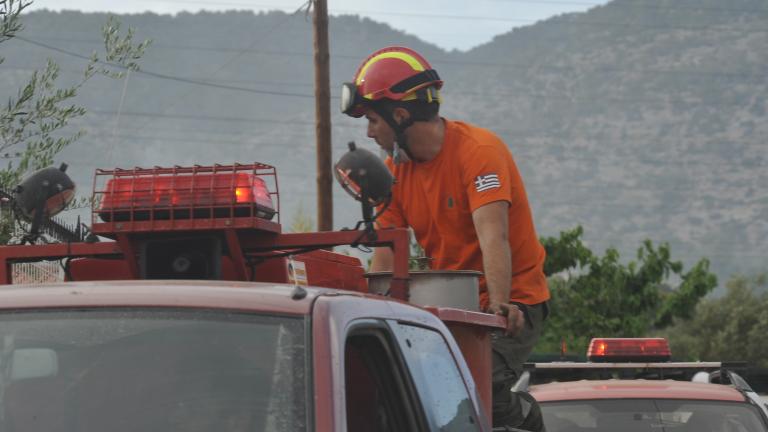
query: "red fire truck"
186, 308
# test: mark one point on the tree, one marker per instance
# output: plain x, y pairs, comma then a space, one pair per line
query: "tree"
599, 296
730, 328
32, 121
302, 222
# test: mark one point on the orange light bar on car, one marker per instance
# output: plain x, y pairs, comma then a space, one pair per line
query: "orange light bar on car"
628, 349
149, 193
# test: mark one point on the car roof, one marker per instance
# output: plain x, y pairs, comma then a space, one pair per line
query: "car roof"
247, 296
634, 389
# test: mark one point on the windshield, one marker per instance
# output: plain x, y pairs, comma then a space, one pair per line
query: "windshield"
645, 415
157, 370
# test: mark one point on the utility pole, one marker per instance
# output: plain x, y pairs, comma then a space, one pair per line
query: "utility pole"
323, 117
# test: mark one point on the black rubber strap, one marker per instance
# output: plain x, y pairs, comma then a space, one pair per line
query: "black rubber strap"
399, 129
429, 75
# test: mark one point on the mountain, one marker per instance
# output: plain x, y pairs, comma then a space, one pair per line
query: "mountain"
641, 120
634, 120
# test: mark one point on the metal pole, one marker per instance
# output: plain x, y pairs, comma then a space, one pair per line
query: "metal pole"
323, 117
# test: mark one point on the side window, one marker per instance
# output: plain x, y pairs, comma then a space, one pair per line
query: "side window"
437, 378
377, 397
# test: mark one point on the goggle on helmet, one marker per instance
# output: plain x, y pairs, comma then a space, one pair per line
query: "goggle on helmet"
394, 73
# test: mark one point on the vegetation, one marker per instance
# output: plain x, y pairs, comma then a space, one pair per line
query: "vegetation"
599, 296
32, 122
733, 327
302, 222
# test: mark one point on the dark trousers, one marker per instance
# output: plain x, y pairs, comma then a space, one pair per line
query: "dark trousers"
509, 354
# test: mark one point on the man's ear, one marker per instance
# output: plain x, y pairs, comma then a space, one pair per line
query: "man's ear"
400, 115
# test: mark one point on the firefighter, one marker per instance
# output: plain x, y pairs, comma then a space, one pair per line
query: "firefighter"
458, 188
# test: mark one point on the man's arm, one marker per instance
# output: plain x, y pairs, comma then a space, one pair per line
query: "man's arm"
383, 259
492, 227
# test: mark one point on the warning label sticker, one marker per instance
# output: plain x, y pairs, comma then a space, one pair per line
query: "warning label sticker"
297, 272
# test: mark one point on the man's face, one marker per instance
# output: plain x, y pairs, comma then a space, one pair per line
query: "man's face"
380, 131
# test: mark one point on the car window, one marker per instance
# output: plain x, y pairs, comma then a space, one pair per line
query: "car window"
437, 378
375, 389
650, 415
151, 370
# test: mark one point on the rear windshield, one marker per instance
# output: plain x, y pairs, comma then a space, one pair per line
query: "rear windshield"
648, 415
153, 370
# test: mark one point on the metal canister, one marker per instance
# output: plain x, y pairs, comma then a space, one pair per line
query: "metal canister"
444, 288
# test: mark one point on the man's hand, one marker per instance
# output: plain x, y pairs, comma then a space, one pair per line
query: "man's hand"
515, 317
491, 225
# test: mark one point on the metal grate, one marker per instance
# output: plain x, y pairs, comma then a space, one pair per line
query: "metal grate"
37, 272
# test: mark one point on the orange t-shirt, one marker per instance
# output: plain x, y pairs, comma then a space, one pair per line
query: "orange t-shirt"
437, 198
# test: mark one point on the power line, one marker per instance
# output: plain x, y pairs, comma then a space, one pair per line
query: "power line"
174, 139
164, 76
439, 60
5, 66
208, 83
204, 117
564, 98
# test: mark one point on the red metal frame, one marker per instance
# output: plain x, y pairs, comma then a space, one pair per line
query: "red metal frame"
397, 239
246, 236
109, 229
240, 242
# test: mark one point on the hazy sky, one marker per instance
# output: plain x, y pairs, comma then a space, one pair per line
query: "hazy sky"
459, 24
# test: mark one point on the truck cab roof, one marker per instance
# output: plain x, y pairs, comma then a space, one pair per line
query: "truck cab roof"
628, 389
251, 296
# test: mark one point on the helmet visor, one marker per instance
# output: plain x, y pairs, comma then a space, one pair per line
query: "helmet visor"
351, 101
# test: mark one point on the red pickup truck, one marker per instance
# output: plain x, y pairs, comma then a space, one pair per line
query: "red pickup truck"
192, 311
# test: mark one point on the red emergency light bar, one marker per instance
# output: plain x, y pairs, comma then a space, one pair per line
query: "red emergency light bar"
184, 193
628, 349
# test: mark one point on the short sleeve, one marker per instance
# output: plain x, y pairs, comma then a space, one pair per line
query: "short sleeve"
488, 173
392, 216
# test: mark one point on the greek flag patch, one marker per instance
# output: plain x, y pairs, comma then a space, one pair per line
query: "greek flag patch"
488, 181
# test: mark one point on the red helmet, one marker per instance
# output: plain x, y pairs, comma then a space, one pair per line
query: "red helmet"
394, 73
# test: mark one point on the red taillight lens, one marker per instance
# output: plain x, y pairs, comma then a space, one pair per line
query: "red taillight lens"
629, 349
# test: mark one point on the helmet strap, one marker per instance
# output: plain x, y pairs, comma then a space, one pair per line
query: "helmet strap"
398, 128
